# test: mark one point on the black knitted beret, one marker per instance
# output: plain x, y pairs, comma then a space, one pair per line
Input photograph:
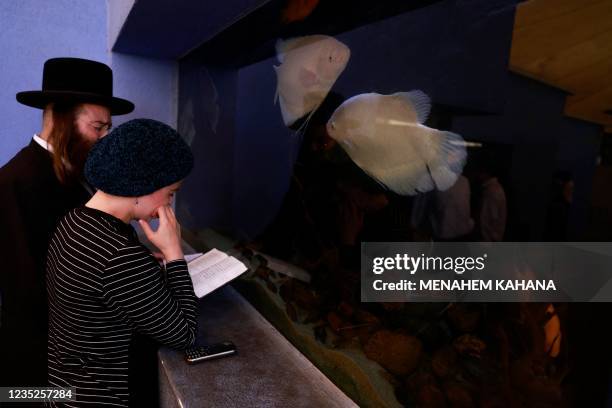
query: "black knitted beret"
138, 158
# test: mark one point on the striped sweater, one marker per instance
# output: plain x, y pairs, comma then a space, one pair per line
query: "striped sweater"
103, 287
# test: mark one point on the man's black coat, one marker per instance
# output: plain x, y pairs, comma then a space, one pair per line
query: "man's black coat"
32, 202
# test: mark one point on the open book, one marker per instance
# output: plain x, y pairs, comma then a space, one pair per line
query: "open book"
211, 270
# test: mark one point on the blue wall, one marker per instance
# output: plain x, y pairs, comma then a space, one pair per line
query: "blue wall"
32, 32
171, 29
35, 30
152, 84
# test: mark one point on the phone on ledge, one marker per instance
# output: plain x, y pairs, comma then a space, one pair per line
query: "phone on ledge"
202, 353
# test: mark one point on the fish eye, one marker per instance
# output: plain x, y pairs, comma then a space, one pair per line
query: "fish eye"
330, 58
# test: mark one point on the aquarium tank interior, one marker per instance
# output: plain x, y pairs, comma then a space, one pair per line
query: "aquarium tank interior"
320, 125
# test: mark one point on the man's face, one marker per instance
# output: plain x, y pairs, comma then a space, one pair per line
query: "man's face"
93, 122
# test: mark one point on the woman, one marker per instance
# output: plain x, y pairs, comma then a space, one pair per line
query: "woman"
104, 286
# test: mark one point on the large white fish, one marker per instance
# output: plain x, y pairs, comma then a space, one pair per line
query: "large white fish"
385, 136
309, 67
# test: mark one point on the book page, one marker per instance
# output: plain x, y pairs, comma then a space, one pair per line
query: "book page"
191, 257
205, 261
214, 272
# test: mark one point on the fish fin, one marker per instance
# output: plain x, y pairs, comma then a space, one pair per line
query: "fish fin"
406, 178
276, 92
447, 160
308, 78
283, 47
374, 177
347, 143
397, 186
419, 101
301, 130
397, 161
380, 183
280, 47
288, 117
425, 182
404, 181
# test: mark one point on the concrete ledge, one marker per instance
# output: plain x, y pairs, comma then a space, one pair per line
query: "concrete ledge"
267, 371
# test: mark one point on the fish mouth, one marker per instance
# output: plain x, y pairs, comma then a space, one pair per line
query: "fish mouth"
331, 130
344, 55
342, 59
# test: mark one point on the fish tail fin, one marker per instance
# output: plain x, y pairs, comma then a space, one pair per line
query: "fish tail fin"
448, 159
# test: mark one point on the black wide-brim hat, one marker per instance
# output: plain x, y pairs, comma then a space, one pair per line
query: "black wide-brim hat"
76, 80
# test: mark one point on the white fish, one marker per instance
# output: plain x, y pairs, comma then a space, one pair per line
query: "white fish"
385, 136
309, 67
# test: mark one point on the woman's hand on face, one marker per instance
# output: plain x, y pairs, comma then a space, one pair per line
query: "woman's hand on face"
168, 236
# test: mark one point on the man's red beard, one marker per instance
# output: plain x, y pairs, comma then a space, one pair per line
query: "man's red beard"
78, 149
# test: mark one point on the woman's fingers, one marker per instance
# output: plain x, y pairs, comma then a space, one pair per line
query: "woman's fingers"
177, 225
172, 233
162, 215
170, 217
170, 214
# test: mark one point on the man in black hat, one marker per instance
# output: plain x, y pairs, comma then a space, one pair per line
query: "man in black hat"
38, 186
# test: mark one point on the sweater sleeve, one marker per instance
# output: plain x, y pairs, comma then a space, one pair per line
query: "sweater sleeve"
134, 287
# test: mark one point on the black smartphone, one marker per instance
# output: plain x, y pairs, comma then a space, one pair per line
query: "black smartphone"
203, 353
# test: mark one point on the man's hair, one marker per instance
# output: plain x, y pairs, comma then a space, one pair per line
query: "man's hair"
64, 137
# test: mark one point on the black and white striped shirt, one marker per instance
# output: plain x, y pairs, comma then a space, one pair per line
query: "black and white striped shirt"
103, 287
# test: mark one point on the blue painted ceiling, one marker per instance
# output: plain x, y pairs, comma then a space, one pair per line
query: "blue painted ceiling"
223, 29
170, 29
